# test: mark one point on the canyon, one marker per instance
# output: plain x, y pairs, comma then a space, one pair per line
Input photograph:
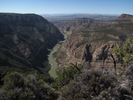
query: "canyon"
24, 42
90, 42
27, 38
55, 19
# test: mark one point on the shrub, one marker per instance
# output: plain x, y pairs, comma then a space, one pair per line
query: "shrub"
66, 76
30, 86
88, 85
124, 53
99, 85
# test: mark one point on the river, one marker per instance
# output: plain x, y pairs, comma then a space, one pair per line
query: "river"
51, 59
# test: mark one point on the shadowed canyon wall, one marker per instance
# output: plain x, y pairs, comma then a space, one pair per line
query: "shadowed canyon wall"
28, 38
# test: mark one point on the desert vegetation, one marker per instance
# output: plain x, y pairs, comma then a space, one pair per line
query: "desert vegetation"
25, 43
74, 82
28, 86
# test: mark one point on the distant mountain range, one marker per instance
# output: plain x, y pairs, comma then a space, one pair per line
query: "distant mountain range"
57, 18
68, 14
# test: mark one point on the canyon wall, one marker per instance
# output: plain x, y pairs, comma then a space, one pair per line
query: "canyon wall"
93, 44
28, 36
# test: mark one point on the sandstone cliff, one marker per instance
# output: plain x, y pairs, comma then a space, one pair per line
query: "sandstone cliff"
73, 26
93, 45
125, 17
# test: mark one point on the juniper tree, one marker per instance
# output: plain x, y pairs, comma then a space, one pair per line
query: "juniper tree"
124, 53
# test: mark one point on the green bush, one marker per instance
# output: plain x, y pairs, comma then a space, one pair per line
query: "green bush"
124, 53
88, 85
28, 86
66, 76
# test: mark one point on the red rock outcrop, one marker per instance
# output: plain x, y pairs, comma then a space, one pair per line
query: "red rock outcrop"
125, 17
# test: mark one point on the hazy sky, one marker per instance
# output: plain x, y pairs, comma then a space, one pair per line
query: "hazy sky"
67, 6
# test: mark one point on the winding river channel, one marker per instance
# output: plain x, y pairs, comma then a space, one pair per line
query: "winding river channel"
52, 61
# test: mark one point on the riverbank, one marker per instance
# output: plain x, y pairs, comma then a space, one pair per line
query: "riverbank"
52, 61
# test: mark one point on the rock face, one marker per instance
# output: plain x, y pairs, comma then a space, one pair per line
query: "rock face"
73, 25
125, 17
28, 36
92, 46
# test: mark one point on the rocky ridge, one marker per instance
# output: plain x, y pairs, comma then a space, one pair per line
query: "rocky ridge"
92, 45
73, 26
28, 36
125, 17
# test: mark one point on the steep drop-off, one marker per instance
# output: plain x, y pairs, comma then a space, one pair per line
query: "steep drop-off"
93, 44
24, 40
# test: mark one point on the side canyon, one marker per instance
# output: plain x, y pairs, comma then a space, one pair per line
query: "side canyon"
90, 42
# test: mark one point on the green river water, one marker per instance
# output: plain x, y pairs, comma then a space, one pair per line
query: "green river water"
52, 61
